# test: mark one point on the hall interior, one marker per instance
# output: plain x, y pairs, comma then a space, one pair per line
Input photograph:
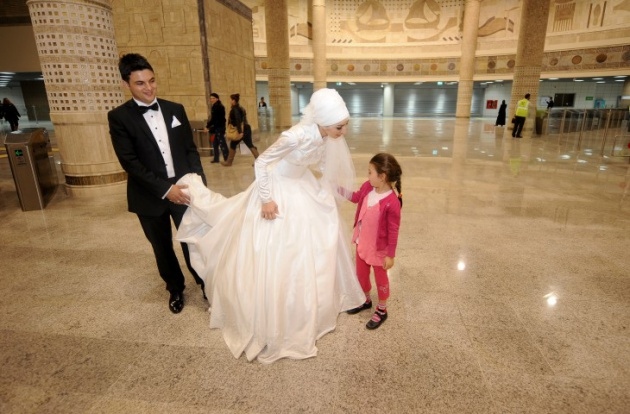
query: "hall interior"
510, 292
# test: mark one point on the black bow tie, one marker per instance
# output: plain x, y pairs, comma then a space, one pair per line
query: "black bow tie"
143, 109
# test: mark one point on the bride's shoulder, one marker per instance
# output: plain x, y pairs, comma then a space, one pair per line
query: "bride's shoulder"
300, 132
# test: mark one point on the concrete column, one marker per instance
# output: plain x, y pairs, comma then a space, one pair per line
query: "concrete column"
467, 61
79, 60
529, 56
319, 44
276, 27
388, 99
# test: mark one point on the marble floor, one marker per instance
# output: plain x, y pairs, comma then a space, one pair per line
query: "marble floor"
510, 293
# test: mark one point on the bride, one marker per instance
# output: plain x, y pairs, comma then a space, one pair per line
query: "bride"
275, 258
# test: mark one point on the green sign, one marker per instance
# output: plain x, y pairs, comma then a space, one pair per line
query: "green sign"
18, 153
589, 98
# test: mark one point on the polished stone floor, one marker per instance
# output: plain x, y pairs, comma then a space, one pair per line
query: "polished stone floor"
510, 293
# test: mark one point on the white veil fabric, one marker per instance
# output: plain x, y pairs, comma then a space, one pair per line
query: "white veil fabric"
338, 169
327, 108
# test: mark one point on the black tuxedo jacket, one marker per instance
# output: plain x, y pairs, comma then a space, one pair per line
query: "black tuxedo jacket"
140, 156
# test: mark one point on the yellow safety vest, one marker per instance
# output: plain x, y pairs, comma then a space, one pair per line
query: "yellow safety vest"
522, 108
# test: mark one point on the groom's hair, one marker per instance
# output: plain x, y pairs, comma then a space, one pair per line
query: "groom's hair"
132, 62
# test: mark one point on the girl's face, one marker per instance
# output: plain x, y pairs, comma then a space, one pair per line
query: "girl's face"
336, 130
376, 180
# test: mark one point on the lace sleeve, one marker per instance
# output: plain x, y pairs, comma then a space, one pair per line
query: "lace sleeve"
287, 142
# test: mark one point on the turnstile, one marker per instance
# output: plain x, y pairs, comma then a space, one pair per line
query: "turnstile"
32, 164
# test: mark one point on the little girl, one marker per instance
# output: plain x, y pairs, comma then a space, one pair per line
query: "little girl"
376, 226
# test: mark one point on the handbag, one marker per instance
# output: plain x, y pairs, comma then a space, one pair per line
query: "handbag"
232, 134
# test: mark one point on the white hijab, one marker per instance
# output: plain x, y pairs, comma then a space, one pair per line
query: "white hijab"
326, 108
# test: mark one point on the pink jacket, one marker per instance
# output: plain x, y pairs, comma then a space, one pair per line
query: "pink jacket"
388, 221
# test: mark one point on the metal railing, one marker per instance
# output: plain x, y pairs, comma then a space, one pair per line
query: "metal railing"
590, 125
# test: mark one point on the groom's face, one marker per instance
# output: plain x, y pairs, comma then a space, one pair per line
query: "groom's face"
142, 85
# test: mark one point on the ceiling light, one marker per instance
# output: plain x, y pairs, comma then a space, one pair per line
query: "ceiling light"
621, 76
578, 80
600, 82
620, 80
554, 78
598, 78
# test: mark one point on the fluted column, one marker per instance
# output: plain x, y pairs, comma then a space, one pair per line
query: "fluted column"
79, 60
467, 61
319, 44
529, 56
276, 27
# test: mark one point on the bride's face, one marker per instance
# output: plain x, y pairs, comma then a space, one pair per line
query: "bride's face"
336, 130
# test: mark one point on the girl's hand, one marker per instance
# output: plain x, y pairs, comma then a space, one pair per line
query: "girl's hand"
389, 263
269, 210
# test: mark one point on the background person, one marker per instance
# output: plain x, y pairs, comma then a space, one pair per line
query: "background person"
502, 114
520, 115
216, 126
10, 113
238, 118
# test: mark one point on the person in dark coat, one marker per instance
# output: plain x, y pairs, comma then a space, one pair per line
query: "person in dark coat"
10, 113
501, 116
216, 126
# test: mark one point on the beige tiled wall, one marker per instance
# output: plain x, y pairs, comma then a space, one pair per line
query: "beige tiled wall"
168, 34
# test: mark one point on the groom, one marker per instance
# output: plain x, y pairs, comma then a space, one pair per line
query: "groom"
154, 144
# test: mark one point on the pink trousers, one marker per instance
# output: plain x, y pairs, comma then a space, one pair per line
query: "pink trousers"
380, 276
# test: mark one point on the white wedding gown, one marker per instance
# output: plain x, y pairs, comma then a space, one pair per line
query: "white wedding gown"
274, 286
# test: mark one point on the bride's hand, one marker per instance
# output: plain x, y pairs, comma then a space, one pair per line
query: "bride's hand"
269, 211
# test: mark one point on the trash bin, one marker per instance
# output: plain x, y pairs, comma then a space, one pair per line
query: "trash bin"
33, 167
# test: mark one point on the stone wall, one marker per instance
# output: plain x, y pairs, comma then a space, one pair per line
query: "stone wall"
169, 34
166, 33
231, 54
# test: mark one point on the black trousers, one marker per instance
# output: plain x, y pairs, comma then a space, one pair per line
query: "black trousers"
219, 143
247, 138
159, 232
519, 121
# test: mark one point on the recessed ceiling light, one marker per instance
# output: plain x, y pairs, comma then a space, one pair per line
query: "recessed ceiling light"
578, 80
598, 78
554, 78
600, 82
621, 76
620, 80
499, 80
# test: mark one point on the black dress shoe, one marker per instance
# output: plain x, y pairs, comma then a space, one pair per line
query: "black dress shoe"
366, 305
176, 302
382, 317
214, 161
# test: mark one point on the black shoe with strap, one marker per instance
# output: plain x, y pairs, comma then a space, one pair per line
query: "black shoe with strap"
377, 319
366, 305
